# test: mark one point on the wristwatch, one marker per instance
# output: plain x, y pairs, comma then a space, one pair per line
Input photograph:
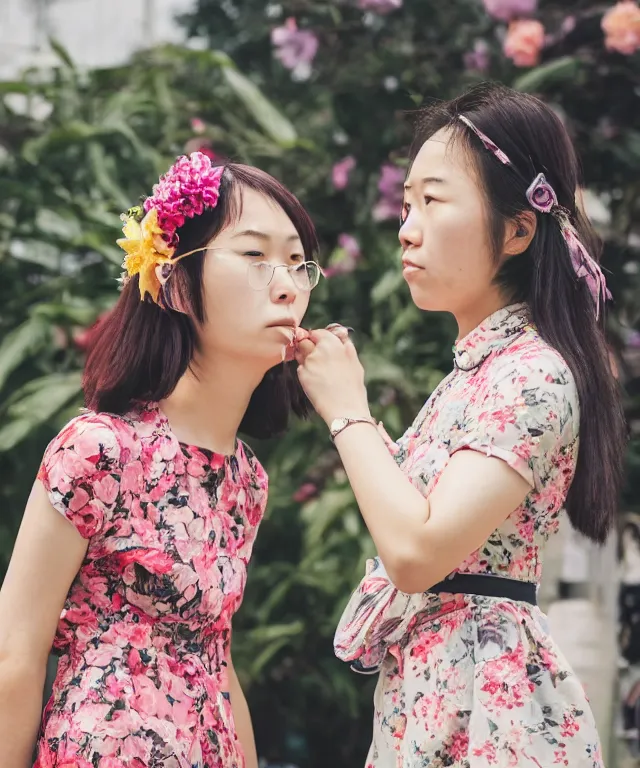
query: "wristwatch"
339, 425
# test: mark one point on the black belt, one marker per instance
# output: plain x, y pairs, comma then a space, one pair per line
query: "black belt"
485, 585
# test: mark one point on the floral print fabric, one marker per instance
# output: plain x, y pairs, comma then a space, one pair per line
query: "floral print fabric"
145, 631
467, 681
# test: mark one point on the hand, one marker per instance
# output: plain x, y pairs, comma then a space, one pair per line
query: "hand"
331, 374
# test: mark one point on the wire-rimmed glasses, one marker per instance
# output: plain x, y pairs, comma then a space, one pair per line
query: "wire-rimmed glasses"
305, 275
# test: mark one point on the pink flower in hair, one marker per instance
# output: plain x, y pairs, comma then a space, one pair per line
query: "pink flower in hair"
186, 189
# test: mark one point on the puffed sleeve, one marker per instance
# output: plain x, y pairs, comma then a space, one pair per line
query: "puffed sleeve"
81, 470
528, 416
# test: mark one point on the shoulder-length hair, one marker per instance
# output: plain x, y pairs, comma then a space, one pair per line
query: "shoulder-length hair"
140, 350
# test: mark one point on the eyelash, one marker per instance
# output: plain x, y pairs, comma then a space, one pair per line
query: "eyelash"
406, 207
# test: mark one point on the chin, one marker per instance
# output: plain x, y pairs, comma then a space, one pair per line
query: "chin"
427, 301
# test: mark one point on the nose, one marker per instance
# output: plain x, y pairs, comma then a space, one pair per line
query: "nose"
410, 233
283, 290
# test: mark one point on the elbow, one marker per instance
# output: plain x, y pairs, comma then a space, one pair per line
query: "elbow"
410, 573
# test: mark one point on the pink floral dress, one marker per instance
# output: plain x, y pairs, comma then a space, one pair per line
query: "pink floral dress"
467, 681
145, 631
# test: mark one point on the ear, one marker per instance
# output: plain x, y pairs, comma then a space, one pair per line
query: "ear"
169, 296
519, 233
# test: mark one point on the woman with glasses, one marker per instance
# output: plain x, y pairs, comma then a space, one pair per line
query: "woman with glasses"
132, 555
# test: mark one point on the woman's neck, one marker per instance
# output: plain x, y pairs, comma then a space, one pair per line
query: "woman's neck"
209, 403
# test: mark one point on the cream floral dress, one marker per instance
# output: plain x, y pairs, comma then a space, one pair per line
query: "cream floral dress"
466, 681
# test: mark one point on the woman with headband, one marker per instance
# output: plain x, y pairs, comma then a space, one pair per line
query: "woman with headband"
528, 424
132, 555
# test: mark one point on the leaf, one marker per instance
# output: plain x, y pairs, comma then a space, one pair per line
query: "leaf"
37, 402
271, 120
322, 513
389, 284
62, 53
52, 223
20, 344
565, 68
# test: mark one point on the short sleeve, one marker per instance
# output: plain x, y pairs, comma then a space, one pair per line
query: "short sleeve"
528, 416
81, 471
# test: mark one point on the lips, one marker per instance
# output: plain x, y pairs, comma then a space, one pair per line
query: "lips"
287, 322
408, 264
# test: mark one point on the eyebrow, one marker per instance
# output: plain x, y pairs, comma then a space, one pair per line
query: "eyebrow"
263, 235
428, 180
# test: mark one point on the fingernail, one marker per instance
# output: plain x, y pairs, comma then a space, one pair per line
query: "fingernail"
349, 329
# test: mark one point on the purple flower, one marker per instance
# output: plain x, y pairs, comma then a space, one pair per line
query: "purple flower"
505, 10
295, 48
341, 171
477, 60
347, 257
380, 6
391, 188
541, 195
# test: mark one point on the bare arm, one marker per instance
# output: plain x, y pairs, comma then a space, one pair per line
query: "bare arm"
420, 541
242, 718
46, 558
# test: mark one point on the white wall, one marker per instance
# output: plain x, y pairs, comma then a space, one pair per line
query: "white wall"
95, 32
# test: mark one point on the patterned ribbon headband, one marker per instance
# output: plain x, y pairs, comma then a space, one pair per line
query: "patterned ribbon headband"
542, 198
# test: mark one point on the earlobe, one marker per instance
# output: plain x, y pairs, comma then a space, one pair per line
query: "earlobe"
519, 233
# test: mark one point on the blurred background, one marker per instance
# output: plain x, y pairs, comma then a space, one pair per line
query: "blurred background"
97, 99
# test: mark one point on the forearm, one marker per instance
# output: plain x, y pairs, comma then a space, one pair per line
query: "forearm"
20, 711
242, 718
393, 509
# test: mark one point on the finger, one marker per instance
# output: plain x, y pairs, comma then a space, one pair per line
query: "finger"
304, 349
321, 335
340, 331
301, 334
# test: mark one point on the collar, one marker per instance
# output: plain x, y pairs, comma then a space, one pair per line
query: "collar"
491, 335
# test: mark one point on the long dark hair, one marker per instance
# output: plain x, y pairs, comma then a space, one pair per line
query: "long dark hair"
562, 308
139, 351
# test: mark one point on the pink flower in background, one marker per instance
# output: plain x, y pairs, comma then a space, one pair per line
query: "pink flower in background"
524, 42
341, 171
506, 10
305, 492
198, 125
390, 186
380, 6
203, 146
348, 256
477, 59
621, 27
295, 48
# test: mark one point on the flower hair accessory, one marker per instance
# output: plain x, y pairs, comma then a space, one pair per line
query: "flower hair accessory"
542, 197
190, 186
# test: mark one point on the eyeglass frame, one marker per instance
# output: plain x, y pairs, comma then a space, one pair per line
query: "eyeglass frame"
291, 268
